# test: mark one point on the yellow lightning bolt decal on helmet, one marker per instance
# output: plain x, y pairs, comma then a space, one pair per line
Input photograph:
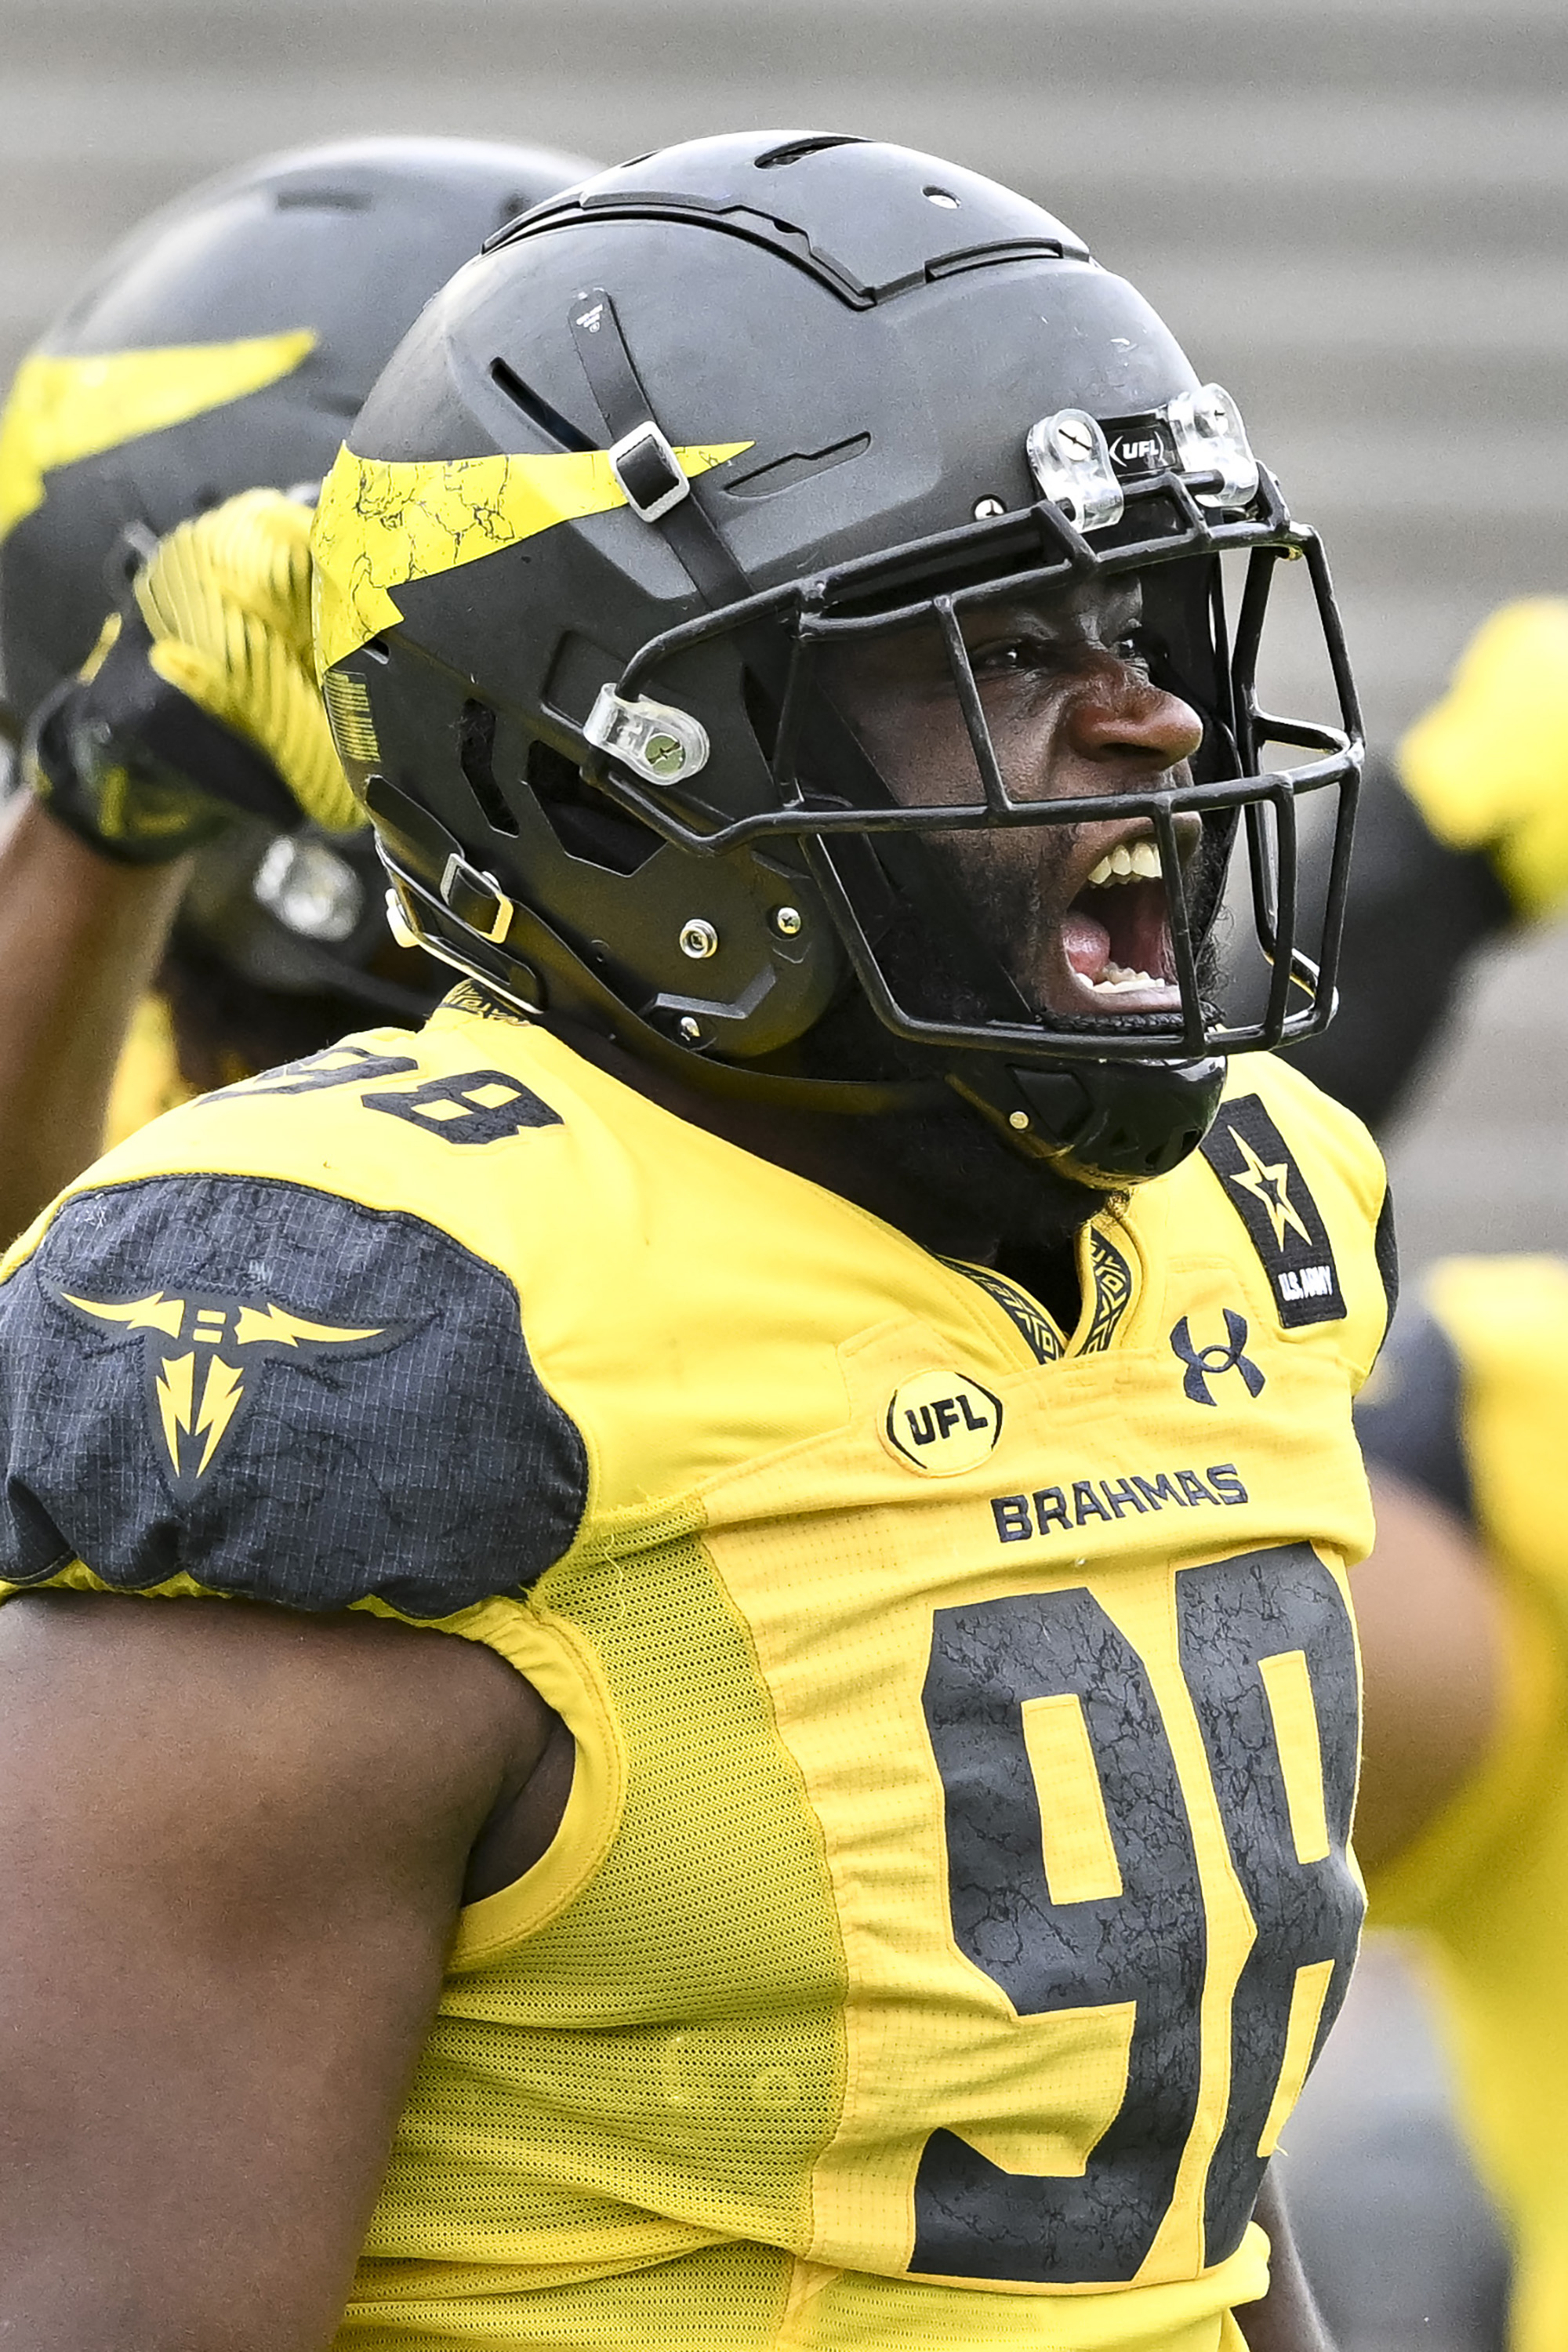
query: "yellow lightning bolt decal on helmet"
62, 410
381, 523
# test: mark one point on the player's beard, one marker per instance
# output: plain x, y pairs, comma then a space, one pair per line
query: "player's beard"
962, 1190
941, 1175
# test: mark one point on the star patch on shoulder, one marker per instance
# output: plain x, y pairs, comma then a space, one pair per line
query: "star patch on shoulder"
1264, 1185
196, 1350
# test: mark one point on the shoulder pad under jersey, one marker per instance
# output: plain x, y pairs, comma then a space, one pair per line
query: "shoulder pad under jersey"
1410, 1415
281, 1393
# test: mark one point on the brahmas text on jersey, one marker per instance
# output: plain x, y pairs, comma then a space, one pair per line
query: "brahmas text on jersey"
1469, 1404
954, 1889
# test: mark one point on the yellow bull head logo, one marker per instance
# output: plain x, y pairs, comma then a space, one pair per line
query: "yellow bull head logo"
196, 1353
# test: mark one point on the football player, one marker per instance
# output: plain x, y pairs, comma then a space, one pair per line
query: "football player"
757, 1744
1462, 838
227, 342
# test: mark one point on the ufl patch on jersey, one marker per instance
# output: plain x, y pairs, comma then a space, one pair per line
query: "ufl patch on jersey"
942, 1422
1261, 1179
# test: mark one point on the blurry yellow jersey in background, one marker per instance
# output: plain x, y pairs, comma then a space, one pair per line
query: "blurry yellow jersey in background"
147, 1081
1471, 1403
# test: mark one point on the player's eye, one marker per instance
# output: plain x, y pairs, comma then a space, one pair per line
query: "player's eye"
1010, 657
1133, 649
995, 661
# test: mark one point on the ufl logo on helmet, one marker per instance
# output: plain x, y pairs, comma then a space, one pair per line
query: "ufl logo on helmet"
942, 1422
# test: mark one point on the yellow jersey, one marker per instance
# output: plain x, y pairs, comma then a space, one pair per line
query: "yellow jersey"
1487, 764
954, 1887
1470, 1405
147, 1077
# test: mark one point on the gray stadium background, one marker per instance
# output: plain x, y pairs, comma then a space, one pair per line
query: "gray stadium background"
1351, 211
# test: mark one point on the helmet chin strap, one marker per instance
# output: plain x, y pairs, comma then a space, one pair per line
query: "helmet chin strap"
1104, 1123
416, 850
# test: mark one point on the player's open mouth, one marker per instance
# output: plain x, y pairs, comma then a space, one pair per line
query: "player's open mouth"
1116, 934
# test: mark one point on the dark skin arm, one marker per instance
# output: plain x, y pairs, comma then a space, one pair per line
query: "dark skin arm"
232, 1850
80, 938
1427, 1610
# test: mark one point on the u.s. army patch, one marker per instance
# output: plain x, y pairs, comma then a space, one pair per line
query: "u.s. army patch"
1260, 1177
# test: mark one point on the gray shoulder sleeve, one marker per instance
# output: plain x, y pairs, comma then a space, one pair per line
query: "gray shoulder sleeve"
286, 1395
1410, 1416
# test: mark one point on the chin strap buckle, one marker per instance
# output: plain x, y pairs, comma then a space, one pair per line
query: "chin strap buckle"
476, 899
650, 472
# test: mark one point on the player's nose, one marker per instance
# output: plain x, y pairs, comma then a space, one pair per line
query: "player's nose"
1122, 719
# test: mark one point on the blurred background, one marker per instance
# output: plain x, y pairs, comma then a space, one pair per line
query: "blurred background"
1350, 211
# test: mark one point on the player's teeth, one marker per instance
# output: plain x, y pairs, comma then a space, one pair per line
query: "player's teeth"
1139, 863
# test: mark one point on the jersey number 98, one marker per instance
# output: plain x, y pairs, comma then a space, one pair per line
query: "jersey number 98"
1262, 1639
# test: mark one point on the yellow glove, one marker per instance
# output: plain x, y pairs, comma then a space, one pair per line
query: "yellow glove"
200, 701
1487, 765
227, 601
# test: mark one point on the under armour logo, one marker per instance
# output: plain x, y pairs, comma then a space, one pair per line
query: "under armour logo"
1206, 1364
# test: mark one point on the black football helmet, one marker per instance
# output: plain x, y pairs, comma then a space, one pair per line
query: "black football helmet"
584, 566
226, 343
